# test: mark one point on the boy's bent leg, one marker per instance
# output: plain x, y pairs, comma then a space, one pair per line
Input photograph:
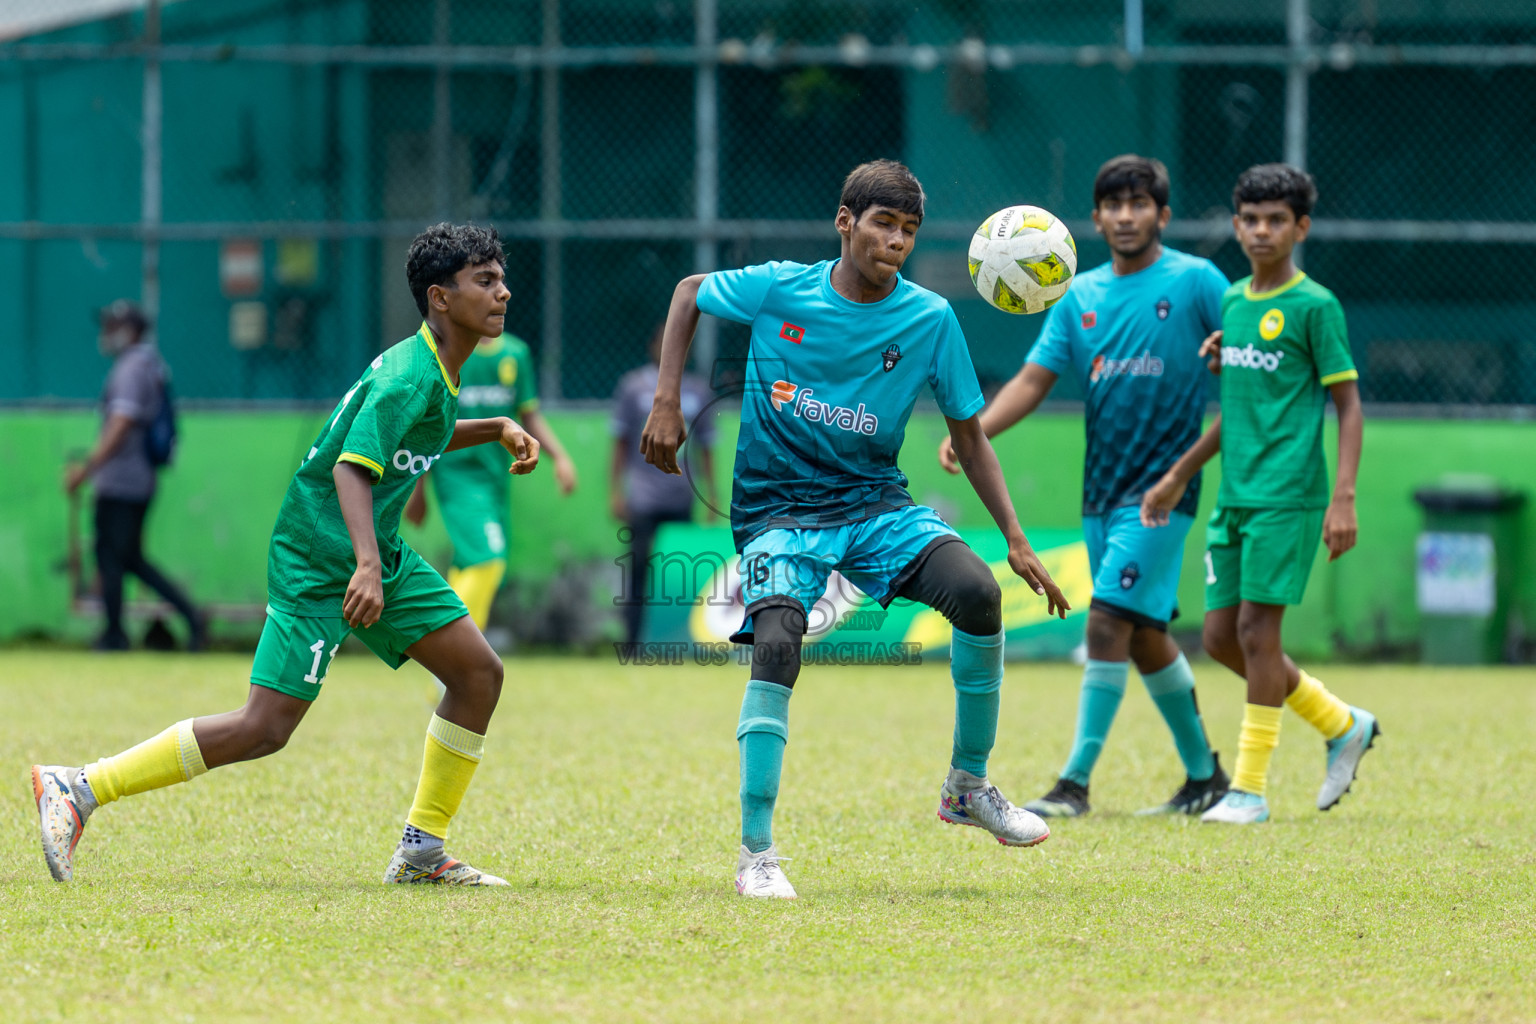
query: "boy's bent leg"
66, 797
1350, 733
954, 581
471, 673
287, 673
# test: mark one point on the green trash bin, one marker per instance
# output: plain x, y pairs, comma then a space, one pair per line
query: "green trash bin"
1468, 560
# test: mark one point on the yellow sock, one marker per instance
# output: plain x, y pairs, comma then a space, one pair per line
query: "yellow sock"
1312, 701
1260, 737
164, 760
476, 586
447, 767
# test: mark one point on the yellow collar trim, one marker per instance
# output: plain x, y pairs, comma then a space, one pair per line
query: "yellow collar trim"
425, 334
1249, 293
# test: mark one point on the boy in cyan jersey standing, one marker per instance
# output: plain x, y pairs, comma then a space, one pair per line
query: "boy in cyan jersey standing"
838, 354
1130, 330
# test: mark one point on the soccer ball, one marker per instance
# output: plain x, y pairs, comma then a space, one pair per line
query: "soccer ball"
1022, 259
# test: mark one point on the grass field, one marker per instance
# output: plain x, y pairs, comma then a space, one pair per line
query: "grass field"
608, 799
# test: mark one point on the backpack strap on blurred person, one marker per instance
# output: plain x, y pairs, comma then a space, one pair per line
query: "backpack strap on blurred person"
160, 435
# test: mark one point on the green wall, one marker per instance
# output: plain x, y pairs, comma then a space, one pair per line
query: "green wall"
210, 526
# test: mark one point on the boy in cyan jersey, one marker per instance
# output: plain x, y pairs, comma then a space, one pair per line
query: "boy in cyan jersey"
1283, 351
1131, 331
838, 354
337, 565
470, 485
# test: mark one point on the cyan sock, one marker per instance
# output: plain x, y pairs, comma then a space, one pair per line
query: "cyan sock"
1173, 691
1103, 688
761, 736
976, 665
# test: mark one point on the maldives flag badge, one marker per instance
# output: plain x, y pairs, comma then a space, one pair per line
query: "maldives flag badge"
1090, 320
790, 332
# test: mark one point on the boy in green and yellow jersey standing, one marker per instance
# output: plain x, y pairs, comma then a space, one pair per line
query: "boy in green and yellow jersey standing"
337, 567
470, 485
1283, 350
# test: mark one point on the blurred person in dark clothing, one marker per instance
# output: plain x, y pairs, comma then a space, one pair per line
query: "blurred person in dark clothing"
123, 475
642, 496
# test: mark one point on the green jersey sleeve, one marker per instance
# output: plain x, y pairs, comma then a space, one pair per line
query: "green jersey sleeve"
1330, 343
389, 408
527, 385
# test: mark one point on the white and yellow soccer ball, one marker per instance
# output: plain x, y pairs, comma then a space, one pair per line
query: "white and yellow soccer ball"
1022, 259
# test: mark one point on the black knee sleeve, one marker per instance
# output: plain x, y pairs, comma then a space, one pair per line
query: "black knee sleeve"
777, 633
958, 585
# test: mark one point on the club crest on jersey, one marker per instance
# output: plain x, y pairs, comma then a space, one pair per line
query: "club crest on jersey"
890, 357
1129, 575
1272, 324
839, 417
791, 332
1090, 320
1163, 307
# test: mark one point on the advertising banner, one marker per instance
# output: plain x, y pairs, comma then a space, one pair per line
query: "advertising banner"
694, 605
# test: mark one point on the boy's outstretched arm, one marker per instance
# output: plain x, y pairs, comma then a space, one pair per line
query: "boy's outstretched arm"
665, 430
979, 461
523, 445
1339, 525
1163, 496
1014, 400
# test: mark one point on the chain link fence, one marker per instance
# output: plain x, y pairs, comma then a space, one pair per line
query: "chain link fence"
253, 170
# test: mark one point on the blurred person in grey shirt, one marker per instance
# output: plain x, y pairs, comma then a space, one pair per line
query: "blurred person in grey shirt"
123, 476
642, 496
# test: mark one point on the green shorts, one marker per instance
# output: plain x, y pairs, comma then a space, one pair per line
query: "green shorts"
295, 651
1262, 555
478, 518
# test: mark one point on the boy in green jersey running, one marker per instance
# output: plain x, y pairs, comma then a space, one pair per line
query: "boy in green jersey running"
471, 484
337, 565
1281, 346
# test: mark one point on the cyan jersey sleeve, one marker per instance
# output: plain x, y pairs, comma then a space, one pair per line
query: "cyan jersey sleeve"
737, 294
1210, 286
951, 375
1053, 348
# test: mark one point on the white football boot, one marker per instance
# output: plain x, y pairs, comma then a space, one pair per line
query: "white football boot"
759, 874
434, 867
1238, 807
60, 816
989, 809
1344, 756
